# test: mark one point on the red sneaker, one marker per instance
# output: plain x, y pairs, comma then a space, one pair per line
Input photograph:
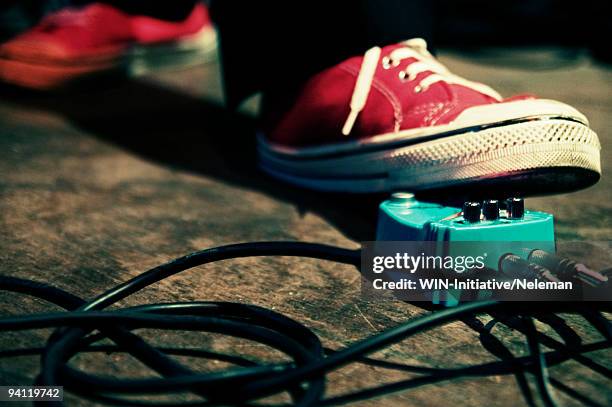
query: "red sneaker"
75, 42
396, 119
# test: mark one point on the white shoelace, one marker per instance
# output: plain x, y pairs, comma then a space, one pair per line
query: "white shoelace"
415, 48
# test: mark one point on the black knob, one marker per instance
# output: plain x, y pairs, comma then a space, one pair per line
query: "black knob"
490, 209
515, 208
471, 211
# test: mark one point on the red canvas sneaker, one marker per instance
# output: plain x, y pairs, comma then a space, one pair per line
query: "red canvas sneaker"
396, 119
75, 42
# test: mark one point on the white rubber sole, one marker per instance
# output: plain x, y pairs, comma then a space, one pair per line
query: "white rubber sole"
461, 156
188, 51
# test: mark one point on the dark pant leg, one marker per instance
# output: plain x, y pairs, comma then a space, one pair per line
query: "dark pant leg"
273, 46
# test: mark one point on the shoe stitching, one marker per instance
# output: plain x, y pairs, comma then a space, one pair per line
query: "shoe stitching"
451, 104
426, 107
429, 117
429, 108
448, 108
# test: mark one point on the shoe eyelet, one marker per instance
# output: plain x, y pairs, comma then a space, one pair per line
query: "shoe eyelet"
405, 76
389, 63
419, 89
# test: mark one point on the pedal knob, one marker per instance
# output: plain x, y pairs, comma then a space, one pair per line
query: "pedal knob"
515, 208
490, 209
471, 211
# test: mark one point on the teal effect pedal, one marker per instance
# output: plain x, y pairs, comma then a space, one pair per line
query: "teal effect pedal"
499, 228
487, 229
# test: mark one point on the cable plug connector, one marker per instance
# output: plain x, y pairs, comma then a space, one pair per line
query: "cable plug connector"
567, 269
514, 266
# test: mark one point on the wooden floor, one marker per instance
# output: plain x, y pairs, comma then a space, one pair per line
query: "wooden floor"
99, 185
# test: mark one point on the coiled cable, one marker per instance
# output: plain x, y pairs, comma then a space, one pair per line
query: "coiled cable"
87, 322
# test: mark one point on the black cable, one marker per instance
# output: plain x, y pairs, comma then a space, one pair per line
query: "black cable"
542, 380
303, 378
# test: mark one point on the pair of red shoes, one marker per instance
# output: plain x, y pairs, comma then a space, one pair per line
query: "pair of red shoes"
394, 118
